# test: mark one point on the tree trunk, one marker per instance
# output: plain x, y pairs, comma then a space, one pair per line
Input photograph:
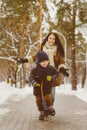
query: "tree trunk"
21, 54
39, 21
22, 76
73, 66
84, 78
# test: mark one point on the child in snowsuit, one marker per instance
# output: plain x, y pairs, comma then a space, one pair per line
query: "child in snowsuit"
41, 77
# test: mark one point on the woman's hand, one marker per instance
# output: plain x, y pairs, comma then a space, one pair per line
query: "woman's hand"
64, 71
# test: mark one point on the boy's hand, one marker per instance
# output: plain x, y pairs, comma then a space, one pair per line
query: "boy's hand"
37, 85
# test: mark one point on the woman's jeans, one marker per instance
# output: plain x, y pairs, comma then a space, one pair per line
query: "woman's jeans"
53, 94
53, 97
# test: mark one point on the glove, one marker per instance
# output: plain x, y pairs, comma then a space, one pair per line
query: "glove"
64, 71
37, 85
49, 78
21, 60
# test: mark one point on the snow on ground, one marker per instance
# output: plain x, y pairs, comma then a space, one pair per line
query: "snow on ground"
6, 91
81, 93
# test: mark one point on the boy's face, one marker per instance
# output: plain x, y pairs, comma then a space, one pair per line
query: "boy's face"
44, 63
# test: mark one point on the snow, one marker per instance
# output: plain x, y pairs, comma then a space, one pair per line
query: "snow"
52, 9
7, 91
81, 93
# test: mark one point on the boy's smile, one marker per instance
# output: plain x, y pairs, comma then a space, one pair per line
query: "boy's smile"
44, 63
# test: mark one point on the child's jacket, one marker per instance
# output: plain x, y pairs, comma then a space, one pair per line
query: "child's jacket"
37, 77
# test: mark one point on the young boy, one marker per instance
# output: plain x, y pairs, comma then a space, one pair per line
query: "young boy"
41, 77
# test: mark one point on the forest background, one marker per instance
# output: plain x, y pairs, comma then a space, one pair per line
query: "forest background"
25, 23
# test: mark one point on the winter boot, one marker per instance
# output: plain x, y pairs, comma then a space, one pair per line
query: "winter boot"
41, 117
51, 111
46, 112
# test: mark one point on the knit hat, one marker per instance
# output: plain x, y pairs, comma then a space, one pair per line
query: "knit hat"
41, 56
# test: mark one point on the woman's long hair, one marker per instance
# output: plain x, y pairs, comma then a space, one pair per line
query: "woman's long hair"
60, 48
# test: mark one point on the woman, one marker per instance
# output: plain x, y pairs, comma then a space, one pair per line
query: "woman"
54, 49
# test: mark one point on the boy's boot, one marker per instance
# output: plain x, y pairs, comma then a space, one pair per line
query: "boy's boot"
46, 112
51, 111
41, 117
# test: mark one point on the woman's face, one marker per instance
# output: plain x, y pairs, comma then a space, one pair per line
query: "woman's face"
51, 40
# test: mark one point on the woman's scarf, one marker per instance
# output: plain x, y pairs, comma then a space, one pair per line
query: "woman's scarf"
51, 52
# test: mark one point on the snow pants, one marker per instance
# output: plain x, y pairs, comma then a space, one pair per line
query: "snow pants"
39, 101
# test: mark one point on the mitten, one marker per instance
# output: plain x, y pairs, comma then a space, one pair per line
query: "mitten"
21, 60
35, 84
64, 71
